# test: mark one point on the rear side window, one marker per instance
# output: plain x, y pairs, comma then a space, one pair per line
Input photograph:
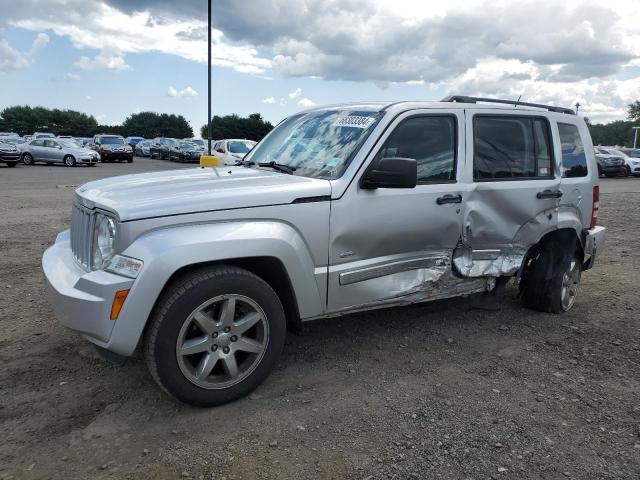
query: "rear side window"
511, 147
431, 141
574, 158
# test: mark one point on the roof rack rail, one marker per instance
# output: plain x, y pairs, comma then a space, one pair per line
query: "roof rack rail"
515, 103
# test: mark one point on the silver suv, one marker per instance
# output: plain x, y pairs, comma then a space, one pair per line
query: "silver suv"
339, 209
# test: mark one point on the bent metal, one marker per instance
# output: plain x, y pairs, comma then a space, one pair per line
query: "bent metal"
339, 209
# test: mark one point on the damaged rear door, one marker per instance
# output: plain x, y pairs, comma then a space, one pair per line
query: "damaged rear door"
515, 190
390, 246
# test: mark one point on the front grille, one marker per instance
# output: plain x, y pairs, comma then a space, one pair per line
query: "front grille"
82, 235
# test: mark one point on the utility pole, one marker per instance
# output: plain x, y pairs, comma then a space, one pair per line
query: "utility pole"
635, 136
209, 82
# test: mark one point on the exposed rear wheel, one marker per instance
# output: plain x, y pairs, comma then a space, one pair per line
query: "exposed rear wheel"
551, 278
215, 335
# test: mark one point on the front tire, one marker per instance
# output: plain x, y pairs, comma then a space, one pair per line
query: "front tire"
551, 278
69, 161
27, 159
215, 335
11, 164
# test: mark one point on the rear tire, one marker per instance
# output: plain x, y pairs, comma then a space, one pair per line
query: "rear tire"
551, 278
209, 310
27, 159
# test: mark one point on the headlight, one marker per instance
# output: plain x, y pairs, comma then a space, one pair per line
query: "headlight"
104, 236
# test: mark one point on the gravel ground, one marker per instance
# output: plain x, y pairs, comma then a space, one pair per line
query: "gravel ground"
456, 389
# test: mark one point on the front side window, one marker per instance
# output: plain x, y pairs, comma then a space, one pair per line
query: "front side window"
431, 141
318, 144
510, 147
574, 158
50, 144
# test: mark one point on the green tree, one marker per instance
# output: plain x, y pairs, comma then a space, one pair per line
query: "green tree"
634, 111
25, 120
151, 124
253, 127
614, 133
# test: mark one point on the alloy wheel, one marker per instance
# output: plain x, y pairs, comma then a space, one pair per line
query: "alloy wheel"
570, 284
222, 341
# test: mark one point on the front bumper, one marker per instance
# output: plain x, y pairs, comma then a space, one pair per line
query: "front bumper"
88, 159
593, 242
10, 157
110, 155
614, 169
82, 300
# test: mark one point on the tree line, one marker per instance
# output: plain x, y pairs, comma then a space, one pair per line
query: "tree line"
25, 120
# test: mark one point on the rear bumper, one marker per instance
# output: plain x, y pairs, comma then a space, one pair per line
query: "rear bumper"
82, 300
593, 244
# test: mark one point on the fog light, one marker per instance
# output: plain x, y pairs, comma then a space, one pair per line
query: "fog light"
118, 302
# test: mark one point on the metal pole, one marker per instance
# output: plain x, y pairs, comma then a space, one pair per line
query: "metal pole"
209, 80
635, 137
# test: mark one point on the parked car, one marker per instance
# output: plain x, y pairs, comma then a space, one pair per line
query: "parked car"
65, 137
232, 151
161, 146
185, 152
16, 141
112, 148
632, 152
43, 135
142, 148
9, 153
200, 143
56, 150
614, 156
133, 141
632, 165
610, 165
28, 138
348, 208
8, 134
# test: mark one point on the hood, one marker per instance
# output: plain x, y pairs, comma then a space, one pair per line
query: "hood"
82, 151
176, 192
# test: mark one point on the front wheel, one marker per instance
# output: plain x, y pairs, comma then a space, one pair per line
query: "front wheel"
11, 164
215, 335
69, 161
27, 159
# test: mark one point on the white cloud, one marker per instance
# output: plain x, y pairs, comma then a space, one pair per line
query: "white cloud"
269, 100
187, 92
11, 59
88, 97
305, 102
41, 40
107, 59
296, 93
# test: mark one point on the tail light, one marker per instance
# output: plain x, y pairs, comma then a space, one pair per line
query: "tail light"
595, 208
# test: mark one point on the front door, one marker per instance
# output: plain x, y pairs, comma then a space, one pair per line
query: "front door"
386, 244
515, 190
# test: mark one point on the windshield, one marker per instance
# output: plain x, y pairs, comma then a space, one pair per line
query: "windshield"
317, 144
187, 146
240, 147
112, 141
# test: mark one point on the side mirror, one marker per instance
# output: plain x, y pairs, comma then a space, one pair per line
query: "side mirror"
394, 172
59, 147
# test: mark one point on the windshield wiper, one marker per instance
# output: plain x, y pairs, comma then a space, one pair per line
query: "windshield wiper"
280, 167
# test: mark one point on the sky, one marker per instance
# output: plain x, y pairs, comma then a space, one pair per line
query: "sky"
112, 58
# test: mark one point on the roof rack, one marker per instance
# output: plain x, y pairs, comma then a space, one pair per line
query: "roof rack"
465, 99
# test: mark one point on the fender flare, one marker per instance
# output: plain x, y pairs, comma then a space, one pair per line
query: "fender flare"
165, 251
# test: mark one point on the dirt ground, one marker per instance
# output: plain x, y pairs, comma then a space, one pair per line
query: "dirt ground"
454, 389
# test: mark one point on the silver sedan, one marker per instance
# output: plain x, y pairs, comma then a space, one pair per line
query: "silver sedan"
57, 150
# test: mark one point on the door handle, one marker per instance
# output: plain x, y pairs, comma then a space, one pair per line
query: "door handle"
449, 199
549, 194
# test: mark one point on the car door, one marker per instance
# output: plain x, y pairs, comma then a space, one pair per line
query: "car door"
52, 151
35, 148
516, 190
387, 244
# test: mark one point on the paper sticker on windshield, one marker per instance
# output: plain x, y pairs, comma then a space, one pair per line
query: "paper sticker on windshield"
354, 121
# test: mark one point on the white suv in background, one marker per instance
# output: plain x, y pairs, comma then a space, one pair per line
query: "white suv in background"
232, 151
633, 164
